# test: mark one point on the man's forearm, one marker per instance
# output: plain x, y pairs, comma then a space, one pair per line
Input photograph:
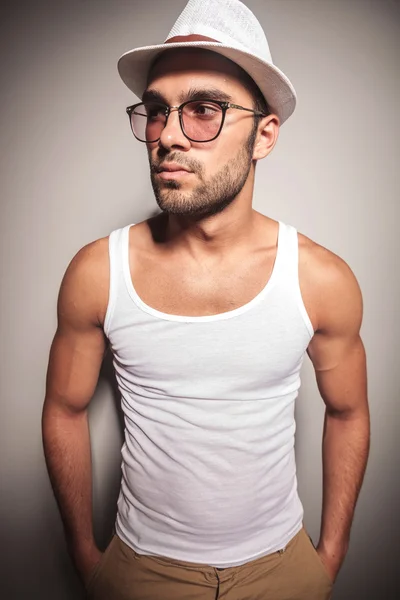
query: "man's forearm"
67, 451
345, 453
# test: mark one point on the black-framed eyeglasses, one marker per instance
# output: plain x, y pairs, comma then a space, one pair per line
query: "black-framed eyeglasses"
200, 120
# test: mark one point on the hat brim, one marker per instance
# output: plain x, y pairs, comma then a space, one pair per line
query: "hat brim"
133, 67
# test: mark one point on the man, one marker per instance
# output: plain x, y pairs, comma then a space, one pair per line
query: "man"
208, 309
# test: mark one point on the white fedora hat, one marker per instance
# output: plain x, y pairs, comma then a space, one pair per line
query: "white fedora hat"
229, 28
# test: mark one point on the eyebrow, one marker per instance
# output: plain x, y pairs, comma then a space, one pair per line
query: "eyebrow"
153, 95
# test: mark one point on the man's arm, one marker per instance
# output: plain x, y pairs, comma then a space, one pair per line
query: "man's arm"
338, 356
75, 359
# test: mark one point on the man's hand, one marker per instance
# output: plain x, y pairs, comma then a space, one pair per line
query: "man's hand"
85, 561
332, 559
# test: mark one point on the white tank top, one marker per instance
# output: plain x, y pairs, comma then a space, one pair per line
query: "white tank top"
208, 464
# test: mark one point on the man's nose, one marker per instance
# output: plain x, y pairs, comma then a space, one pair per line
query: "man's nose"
172, 134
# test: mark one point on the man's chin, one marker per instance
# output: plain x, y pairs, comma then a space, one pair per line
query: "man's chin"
176, 206
186, 210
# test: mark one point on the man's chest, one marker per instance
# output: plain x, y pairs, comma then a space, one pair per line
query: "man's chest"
180, 289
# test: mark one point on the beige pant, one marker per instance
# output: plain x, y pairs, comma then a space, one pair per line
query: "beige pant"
297, 573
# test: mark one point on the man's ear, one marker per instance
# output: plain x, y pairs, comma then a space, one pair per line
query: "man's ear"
267, 136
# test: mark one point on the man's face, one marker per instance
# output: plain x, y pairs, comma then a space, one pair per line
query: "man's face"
220, 168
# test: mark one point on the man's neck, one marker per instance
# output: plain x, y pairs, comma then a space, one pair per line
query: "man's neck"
215, 239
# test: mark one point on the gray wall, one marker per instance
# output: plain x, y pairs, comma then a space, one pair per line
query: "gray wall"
72, 172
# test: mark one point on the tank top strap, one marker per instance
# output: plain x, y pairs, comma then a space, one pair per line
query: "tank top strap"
117, 246
287, 254
288, 271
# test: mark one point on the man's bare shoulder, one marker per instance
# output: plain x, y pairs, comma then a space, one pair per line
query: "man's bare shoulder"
320, 255
85, 286
320, 262
329, 282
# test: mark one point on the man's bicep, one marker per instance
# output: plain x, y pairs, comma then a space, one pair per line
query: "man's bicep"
74, 365
343, 384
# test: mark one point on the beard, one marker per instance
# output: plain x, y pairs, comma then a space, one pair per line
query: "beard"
211, 196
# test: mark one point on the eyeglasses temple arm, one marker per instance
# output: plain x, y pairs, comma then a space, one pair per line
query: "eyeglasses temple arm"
256, 112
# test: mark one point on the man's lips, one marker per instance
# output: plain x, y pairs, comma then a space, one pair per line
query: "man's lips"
172, 168
172, 171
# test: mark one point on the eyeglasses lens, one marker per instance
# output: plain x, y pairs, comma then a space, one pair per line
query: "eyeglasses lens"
201, 120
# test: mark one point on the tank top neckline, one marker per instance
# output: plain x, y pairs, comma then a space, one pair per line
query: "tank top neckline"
199, 318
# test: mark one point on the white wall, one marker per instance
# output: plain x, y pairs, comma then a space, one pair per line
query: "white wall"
72, 172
